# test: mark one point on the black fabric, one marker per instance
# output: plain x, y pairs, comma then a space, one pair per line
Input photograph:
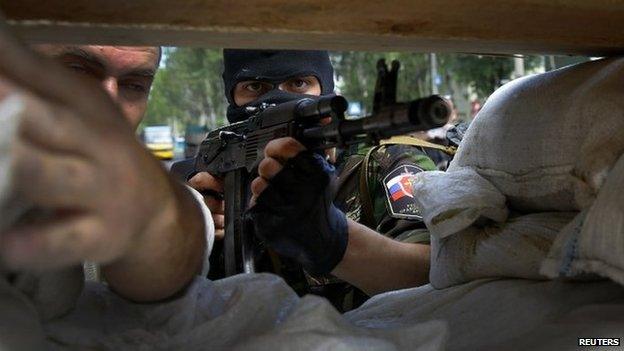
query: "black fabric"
275, 67
296, 217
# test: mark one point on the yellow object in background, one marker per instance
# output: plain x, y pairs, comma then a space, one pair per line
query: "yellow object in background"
159, 140
161, 151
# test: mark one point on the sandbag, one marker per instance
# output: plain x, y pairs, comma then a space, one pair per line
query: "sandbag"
452, 201
242, 312
20, 328
502, 314
514, 249
548, 141
594, 242
471, 235
52, 293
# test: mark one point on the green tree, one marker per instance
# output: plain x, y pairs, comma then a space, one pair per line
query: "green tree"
188, 88
356, 74
484, 74
459, 73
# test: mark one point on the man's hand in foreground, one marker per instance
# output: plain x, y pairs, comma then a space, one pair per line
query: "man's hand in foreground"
91, 191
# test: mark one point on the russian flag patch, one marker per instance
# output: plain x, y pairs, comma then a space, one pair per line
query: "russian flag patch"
399, 192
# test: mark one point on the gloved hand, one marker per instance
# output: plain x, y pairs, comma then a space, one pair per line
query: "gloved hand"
295, 215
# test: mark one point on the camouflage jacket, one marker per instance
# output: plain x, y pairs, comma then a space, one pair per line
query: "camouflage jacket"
374, 189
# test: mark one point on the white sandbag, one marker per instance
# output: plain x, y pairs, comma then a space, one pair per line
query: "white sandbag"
547, 141
244, 312
52, 293
20, 329
595, 321
495, 314
464, 247
316, 325
452, 201
514, 249
594, 242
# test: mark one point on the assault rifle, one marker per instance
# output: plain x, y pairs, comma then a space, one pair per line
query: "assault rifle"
234, 151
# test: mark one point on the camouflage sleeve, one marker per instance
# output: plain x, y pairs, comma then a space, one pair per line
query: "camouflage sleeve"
390, 171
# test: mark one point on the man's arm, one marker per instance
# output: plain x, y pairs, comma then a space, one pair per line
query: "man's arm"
94, 193
167, 257
376, 263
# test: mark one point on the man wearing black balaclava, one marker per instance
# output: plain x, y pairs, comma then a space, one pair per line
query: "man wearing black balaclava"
292, 206
253, 77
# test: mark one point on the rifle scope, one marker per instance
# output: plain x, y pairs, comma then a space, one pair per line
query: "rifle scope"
321, 107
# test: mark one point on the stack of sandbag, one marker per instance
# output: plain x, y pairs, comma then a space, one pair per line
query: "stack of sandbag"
536, 155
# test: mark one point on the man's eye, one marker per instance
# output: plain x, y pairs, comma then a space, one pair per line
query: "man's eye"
255, 87
300, 83
78, 68
135, 87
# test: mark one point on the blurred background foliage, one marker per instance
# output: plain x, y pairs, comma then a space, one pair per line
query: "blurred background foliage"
188, 89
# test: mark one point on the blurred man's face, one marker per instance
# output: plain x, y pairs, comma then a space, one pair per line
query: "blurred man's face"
250, 90
126, 73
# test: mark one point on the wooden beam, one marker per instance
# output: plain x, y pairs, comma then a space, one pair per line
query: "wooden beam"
484, 26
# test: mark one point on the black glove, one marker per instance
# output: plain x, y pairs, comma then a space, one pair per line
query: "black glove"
295, 215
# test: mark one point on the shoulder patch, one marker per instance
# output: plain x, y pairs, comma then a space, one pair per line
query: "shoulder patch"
399, 193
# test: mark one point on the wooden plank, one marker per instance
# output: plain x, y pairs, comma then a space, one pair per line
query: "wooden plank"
485, 26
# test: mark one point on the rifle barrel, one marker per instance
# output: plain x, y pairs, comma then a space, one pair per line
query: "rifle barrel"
401, 118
